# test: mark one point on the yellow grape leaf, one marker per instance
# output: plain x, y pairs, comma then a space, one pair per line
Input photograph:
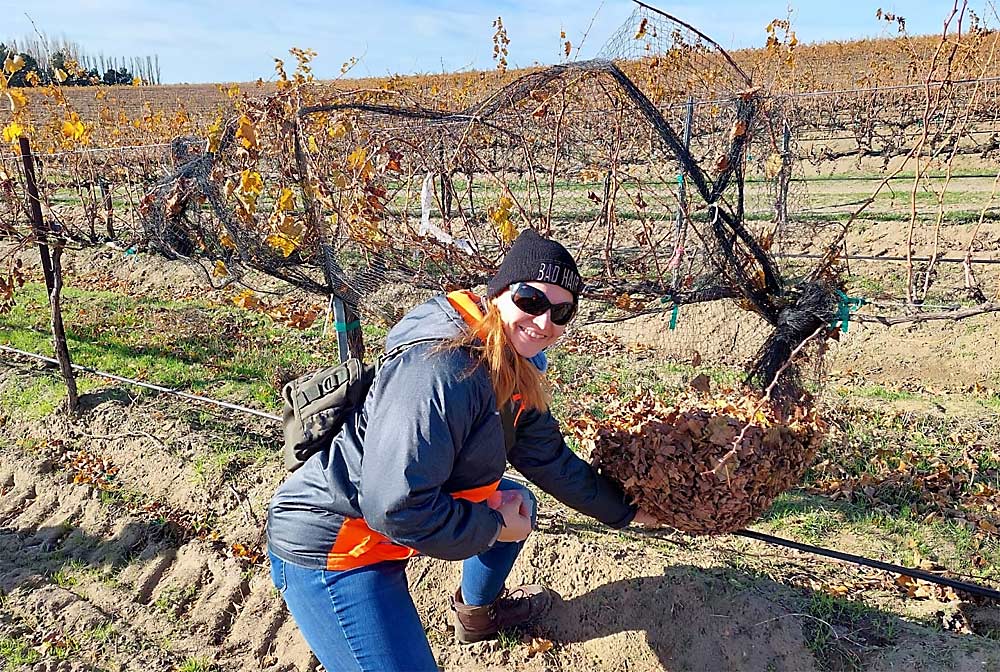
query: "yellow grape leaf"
100, 94
215, 135
247, 300
17, 100
32, 78
73, 128
13, 63
287, 236
220, 270
286, 200
508, 232
357, 158
773, 165
12, 131
567, 47
500, 216
313, 147
226, 241
251, 183
136, 81
246, 133
60, 75
281, 244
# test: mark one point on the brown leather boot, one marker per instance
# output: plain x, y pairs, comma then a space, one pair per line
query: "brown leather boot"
516, 607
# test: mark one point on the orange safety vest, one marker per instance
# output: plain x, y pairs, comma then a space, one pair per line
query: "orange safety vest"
357, 545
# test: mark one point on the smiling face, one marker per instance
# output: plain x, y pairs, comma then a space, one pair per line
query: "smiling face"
530, 334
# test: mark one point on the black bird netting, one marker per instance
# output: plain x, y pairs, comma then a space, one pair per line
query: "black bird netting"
369, 194
372, 195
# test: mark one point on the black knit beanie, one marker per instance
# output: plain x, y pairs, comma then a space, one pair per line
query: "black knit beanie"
535, 259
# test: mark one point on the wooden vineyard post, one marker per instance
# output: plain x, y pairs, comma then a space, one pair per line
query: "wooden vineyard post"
52, 270
346, 321
680, 227
446, 186
348, 325
108, 209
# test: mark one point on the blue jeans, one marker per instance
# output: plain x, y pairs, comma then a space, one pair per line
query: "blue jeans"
363, 619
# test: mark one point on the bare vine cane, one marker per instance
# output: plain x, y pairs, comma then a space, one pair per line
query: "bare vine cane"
766, 398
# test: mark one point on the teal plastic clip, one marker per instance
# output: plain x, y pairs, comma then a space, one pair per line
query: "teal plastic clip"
680, 180
673, 312
845, 306
348, 326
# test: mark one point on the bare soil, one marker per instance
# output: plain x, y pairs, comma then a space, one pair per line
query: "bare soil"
127, 543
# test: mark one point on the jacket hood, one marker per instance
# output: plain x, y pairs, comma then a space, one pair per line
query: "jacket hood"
434, 319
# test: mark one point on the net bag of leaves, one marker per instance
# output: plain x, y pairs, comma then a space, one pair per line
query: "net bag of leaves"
711, 462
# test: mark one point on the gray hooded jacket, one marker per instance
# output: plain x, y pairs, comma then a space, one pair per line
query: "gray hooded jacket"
429, 427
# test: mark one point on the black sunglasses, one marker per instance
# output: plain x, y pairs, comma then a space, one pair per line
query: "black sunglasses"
533, 301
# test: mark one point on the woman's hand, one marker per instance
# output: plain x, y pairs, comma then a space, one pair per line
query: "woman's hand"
645, 519
516, 516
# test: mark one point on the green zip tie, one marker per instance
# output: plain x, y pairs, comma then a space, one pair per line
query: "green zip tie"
680, 179
845, 306
349, 326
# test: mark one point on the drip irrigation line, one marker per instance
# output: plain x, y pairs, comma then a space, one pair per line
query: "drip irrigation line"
177, 393
971, 588
930, 577
150, 386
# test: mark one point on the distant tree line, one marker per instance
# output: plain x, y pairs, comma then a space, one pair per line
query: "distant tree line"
59, 60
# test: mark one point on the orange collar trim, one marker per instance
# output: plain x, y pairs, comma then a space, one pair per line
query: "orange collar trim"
468, 306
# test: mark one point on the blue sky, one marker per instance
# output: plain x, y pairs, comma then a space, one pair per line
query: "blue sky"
225, 41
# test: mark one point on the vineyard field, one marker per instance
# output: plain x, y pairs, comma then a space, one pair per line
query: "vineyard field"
813, 226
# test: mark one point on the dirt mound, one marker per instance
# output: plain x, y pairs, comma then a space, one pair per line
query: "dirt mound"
146, 556
944, 354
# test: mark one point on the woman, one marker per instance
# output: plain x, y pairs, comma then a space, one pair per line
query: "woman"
419, 470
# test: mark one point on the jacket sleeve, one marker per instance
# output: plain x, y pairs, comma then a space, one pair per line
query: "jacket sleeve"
541, 454
421, 410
